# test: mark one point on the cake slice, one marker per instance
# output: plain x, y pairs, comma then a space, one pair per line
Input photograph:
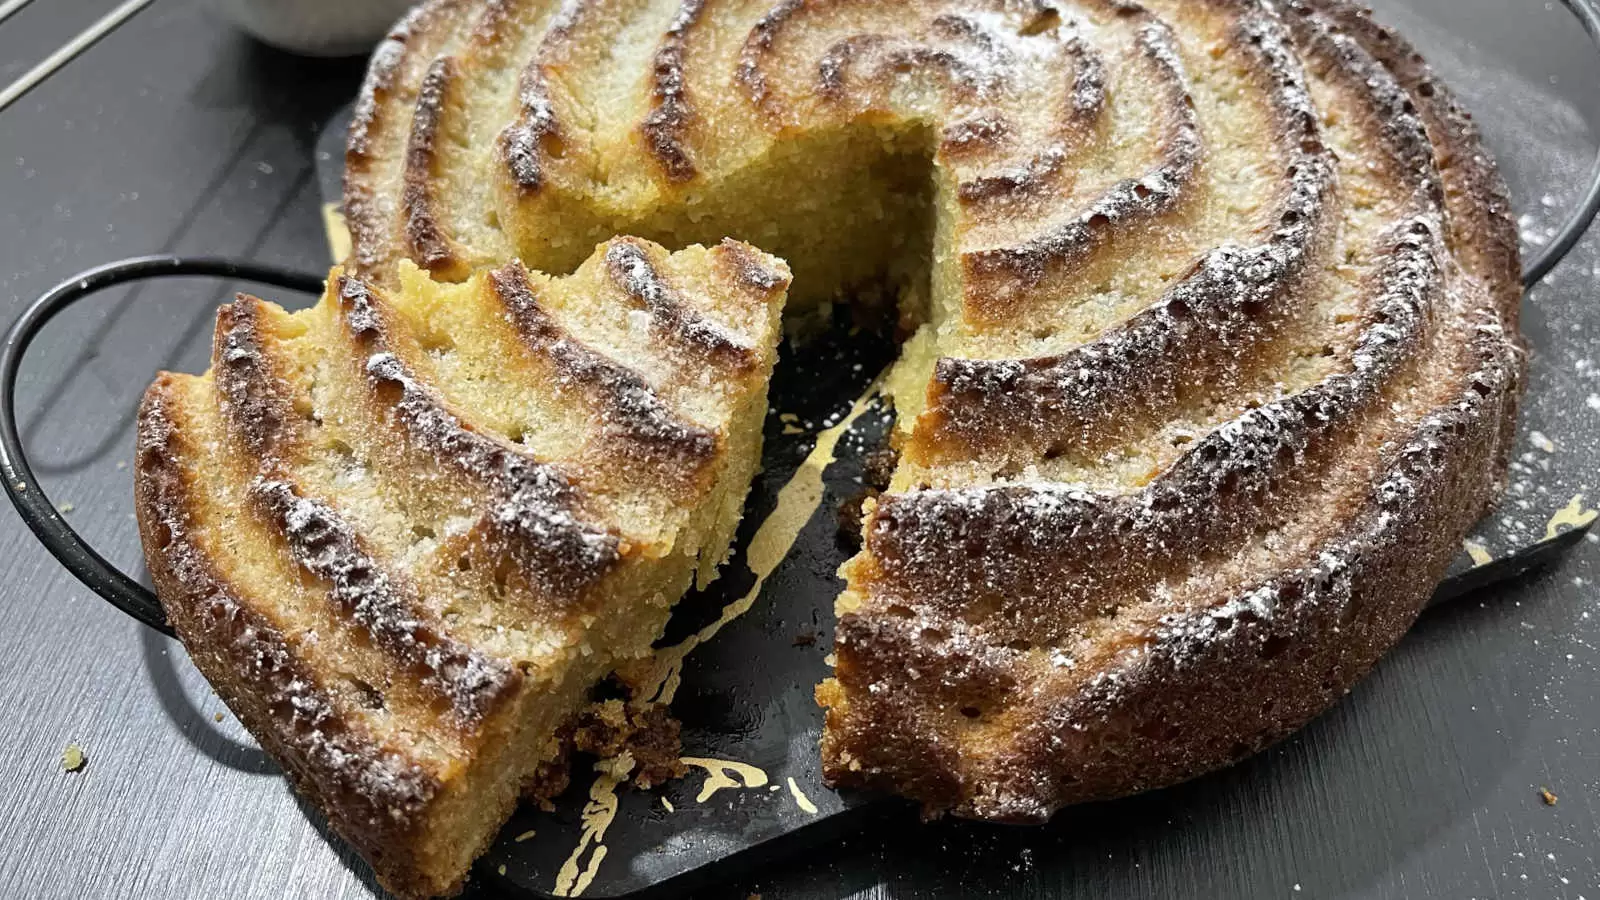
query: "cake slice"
405, 532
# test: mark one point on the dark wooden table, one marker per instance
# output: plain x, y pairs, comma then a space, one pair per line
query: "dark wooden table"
176, 134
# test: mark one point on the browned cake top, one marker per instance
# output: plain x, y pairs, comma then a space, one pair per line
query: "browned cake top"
1216, 349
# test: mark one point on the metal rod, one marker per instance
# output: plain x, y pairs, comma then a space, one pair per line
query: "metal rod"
1588, 206
11, 6
81, 42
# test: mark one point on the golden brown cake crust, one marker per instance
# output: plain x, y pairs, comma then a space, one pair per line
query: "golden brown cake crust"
369, 796
1176, 695
412, 42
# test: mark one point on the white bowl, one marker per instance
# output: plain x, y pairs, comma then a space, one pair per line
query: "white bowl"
315, 27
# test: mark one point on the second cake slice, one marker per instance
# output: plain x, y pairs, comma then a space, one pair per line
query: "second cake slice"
404, 533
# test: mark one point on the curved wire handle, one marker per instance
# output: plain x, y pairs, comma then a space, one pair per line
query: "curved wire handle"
38, 513
133, 598
1572, 231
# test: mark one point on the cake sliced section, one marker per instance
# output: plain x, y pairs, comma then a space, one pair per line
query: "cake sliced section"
406, 531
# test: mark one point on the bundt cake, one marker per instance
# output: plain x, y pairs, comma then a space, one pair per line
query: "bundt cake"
1213, 359
1216, 354
405, 532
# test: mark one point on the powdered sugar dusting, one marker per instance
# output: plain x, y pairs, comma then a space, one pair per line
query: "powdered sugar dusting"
1183, 637
916, 531
521, 141
382, 787
671, 112
326, 545
1220, 307
670, 315
533, 502
381, 72
630, 407
1087, 104
1131, 200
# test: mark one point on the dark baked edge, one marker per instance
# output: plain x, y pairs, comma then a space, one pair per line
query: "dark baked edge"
228, 642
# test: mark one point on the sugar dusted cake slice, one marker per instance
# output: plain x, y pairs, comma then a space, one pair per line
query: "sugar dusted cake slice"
406, 531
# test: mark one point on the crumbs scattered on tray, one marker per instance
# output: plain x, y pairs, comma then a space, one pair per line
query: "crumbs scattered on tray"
790, 425
217, 718
524, 836
1548, 798
1479, 553
805, 639
1574, 514
73, 759
65, 508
